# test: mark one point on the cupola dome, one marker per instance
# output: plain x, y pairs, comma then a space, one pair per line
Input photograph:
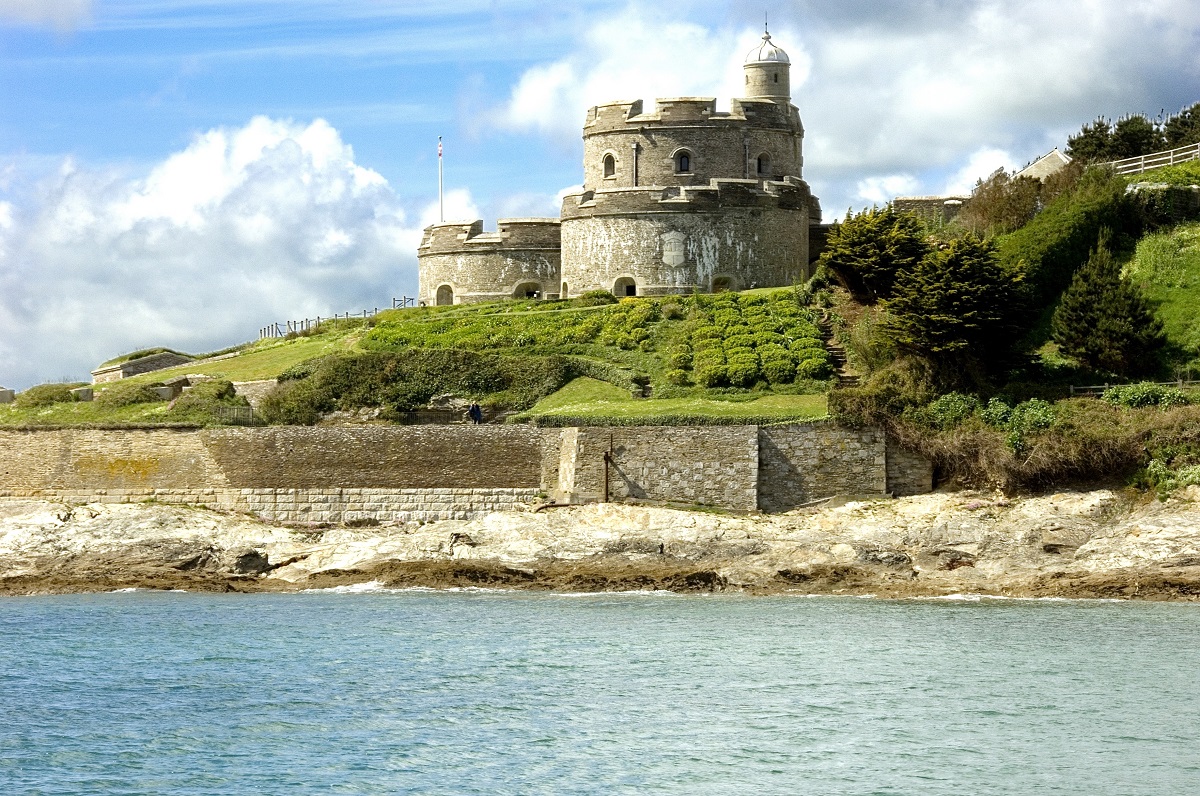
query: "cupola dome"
767, 52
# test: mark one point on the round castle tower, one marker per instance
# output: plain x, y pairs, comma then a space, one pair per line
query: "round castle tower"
687, 198
459, 263
679, 200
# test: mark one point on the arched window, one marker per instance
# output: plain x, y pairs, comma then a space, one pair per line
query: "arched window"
564, 291
776, 77
683, 162
610, 166
764, 163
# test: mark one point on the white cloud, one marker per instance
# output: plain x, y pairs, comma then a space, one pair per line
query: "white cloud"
905, 88
459, 206
981, 165
61, 14
881, 190
644, 52
246, 226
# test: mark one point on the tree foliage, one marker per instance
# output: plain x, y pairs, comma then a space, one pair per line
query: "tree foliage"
867, 251
1104, 321
1050, 248
958, 307
1100, 140
1001, 203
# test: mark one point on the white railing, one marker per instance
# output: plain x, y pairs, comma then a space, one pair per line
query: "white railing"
1156, 160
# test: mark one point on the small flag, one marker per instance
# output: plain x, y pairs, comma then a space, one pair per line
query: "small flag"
439, 146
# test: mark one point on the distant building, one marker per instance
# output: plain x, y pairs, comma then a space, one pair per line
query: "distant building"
682, 199
133, 367
1050, 163
933, 210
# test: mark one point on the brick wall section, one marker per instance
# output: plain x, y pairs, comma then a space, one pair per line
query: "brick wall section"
809, 461
714, 466
908, 473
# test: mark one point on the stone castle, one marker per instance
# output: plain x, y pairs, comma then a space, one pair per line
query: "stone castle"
679, 200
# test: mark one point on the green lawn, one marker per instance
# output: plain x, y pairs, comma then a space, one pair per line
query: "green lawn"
263, 360
588, 401
84, 413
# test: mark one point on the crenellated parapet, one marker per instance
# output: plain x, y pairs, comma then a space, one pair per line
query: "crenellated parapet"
790, 193
459, 262
510, 233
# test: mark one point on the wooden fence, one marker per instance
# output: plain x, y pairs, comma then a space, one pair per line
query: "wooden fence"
1156, 160
284, 328
1096, 390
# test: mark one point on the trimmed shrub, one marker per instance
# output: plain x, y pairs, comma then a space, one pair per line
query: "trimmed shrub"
779, 371
596, 298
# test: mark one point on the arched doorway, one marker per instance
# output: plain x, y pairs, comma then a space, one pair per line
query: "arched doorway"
722, 284
528, 290
445, 296
564, 291
625, 286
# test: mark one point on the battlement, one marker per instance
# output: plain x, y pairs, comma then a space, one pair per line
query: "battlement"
627, 116
510, 233
789, 193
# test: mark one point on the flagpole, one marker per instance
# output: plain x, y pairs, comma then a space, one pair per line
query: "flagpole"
441, 201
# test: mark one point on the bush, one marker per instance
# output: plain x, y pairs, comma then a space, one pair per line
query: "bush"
121, 394
950, 410
1142, 394
779, 371
672, 311
677, 376
47, 394
997, 413
596, 298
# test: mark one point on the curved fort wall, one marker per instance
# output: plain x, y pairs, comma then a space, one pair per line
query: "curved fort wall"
727, 235
460, 263
688, 198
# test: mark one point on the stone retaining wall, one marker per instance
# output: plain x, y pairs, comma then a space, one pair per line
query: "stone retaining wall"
342, 474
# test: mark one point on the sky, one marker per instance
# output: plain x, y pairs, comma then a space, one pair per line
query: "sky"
182, 173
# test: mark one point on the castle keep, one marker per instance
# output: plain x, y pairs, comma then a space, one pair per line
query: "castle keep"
679, 200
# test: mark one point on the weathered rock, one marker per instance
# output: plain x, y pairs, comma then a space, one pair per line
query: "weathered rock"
1067, 544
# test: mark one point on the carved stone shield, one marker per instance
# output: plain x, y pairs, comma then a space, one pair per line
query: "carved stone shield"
673, 248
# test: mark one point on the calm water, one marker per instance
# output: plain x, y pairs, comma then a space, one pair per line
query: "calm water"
486, 693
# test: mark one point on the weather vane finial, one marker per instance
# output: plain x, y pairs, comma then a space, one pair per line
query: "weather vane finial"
766, 23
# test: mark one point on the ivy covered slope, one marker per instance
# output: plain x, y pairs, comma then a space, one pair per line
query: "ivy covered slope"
729, 358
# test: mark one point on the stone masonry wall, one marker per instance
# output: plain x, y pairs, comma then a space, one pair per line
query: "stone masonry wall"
714, 465
286, 474
809, 461
341, 474
908, 473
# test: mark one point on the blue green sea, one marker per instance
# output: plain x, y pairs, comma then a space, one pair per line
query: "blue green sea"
417, 692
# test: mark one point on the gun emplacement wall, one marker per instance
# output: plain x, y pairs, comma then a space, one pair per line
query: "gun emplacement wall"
407, 473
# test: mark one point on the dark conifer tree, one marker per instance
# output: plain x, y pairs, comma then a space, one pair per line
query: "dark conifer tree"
868, 250
1093, 142
959, 308
1104, 321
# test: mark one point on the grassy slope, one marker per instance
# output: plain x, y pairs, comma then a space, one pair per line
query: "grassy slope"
1166, 266
595, 401
612, 335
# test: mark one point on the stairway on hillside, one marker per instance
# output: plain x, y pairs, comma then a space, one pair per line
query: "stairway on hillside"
837, 355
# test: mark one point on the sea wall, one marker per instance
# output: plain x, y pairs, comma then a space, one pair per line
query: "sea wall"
286, 474
405, 473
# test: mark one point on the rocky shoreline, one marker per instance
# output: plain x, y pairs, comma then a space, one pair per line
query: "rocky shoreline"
1094, 544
